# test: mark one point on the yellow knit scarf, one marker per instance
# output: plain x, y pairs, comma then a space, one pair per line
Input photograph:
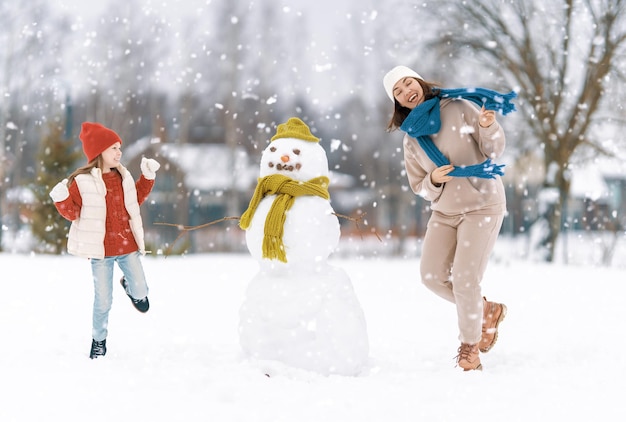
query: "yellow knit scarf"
286, 190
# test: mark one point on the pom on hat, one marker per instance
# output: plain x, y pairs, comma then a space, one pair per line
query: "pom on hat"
394, 75
294, 128
96, 138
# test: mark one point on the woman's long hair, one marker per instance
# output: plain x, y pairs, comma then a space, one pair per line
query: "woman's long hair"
400, 113
96, 162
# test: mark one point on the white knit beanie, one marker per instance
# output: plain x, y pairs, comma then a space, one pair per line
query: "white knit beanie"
394, 75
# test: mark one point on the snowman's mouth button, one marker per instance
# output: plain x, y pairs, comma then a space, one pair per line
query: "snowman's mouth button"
288, 167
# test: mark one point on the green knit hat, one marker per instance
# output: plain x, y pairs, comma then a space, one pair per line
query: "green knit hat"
294, 128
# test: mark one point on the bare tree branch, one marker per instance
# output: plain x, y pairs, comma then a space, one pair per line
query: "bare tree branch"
563, 79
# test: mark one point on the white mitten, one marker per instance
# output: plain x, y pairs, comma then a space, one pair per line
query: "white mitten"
149, 167
60, 192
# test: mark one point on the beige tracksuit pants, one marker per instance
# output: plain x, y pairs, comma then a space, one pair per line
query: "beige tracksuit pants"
455, 253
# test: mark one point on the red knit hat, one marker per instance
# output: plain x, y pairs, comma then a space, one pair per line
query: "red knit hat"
96, 138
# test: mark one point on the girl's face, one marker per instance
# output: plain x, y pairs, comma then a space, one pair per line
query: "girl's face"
111, 157
408, 92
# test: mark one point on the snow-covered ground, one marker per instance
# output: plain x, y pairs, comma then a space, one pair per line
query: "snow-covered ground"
560, 354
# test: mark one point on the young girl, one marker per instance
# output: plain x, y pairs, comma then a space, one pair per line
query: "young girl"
102, 201
448, 147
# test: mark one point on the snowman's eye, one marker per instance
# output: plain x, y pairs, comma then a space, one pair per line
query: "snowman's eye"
273, 149
296, 151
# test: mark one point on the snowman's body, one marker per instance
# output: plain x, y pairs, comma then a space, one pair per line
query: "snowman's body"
302, 312
310, 234
311, 230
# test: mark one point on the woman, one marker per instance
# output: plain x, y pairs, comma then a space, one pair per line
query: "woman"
102, 201
448, 148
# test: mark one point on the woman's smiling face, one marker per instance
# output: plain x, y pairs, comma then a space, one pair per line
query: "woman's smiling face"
408, 92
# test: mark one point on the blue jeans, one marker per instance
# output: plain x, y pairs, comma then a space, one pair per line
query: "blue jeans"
102, 271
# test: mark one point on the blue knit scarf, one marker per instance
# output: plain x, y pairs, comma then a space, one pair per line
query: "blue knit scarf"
424, 120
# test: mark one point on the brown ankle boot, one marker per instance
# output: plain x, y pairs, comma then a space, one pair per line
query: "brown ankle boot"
468, 357
493, 314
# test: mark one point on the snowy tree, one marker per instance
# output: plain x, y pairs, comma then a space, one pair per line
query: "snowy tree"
125, 66
57, 159
32, 41
365, 49
562, 56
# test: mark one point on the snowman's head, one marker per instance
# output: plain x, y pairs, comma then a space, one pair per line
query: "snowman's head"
294, 152
297, 159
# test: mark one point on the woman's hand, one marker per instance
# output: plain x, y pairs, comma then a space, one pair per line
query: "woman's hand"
486, 118
440, 175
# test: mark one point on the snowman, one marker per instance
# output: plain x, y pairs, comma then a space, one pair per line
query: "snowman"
298, 310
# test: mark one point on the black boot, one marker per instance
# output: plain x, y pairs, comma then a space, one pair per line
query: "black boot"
98, 348
142, 305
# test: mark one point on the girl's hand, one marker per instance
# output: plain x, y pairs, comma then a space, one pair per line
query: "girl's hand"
440, 175
149, 167
59, 192
486, 117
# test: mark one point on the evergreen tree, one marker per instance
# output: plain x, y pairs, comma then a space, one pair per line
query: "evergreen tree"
56, 157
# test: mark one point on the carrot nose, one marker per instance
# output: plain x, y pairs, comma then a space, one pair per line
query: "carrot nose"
284, 158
